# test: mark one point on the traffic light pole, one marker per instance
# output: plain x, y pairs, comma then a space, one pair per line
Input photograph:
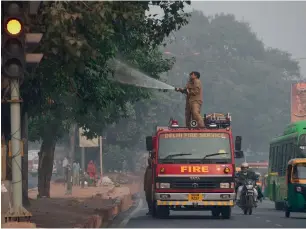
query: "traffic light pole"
16, 53
16, 144
17, 211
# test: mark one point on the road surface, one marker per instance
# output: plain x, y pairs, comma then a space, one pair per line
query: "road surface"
263, 217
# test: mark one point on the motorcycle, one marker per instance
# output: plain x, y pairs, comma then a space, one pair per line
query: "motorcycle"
247, 197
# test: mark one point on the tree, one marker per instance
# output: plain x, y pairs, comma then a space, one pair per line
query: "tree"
71, 85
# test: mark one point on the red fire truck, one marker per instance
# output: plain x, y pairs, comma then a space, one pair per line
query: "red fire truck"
194, 168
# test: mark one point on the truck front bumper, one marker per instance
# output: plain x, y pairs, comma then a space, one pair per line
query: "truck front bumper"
183, 199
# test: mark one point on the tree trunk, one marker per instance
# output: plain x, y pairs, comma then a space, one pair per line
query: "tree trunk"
45, 167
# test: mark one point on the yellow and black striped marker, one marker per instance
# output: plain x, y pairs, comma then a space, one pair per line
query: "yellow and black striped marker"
200, 203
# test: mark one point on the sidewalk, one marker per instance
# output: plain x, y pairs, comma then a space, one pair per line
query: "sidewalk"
91, 207
62, 211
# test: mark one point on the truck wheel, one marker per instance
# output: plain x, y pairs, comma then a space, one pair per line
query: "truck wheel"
226, 212
215, 212
154, 207
162, 211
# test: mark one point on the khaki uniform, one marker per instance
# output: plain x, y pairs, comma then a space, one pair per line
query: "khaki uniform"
194, 102
148, 186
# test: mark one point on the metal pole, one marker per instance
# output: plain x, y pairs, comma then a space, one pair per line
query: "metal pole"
16, 143
17, 211
101, 166
24, 133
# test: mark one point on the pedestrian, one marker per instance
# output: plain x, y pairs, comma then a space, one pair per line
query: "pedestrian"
148, 185
78, 168
74, 173
65, 168
124, 166
91, 170
194, 99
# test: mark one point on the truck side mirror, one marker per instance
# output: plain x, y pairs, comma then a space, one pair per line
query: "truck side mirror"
149, 143
239, 154
238, 143
152, 154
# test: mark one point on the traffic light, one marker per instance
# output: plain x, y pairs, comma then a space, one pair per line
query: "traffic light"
13, 40
32, 40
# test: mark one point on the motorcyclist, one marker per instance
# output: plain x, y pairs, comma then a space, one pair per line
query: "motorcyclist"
242, 176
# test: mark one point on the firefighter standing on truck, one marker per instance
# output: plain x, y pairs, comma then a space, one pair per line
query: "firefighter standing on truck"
148, 185
194, 99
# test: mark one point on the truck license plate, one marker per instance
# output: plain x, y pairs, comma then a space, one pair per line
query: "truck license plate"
195, 197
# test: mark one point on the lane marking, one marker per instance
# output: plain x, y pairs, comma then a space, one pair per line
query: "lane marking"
278, 225
257, 217
268, 221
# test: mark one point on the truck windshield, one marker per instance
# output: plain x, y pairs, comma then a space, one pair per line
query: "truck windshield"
194, 146
299, 171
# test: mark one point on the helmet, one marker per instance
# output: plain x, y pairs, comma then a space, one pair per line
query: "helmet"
244, 166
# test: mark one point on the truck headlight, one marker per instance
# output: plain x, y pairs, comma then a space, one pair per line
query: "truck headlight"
224, 185
163, 185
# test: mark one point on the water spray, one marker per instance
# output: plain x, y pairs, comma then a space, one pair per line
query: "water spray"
128, 75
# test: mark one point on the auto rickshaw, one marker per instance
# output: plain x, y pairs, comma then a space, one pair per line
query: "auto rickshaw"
296, 186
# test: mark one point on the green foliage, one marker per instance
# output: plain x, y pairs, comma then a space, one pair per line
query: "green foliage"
79, 39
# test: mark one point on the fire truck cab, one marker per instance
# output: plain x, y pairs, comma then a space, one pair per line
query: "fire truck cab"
194, 168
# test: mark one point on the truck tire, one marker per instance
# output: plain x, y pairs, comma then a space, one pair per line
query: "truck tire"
226, 212
162, 212
215, 212
154, 208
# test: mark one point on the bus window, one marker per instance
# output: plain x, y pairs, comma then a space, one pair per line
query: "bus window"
281, 161
294, 155
288, 153
274, 160
295, 152
302, 141
302, 145
290, 150
271, 154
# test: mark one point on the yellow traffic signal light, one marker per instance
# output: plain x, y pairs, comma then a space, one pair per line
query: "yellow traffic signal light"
13, 27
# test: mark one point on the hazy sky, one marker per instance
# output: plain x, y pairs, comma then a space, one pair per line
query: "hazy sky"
278, 24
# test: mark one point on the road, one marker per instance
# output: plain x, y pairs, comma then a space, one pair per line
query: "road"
263, 217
